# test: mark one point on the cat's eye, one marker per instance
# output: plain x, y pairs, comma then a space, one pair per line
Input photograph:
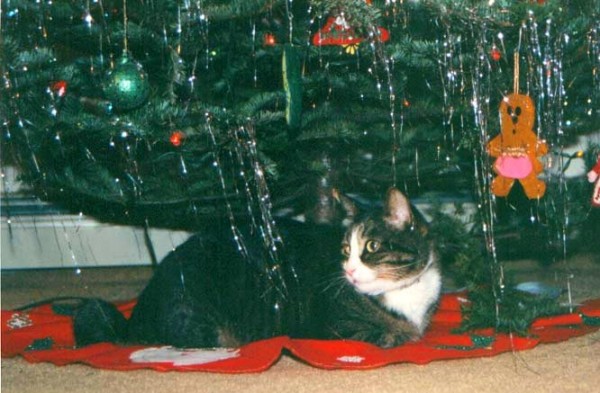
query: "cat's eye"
373, 246
346, 249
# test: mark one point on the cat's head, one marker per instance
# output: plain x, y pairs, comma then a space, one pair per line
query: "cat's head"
387, 250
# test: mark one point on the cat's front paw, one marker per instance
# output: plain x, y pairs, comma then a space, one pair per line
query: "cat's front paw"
391, 340
385, 339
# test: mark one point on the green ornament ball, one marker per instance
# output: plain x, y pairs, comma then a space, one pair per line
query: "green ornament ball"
126, 85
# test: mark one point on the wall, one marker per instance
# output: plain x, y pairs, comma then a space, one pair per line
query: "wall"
37, 235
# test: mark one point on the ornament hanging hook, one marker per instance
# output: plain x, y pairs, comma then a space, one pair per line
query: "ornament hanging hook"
125, 43
516, 73
516, 61
290, 15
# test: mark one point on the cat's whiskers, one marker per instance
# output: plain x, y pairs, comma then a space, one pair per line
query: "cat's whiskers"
334, 280
401, 271
407, 265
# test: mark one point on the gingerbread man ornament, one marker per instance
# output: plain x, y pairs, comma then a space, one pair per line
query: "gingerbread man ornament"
517, 149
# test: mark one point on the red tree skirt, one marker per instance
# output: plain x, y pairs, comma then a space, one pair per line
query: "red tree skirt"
41, 335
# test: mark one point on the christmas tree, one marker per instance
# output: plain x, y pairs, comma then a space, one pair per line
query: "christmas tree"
170, 113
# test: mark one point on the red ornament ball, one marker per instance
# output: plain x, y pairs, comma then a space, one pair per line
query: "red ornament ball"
269, 39
495, 54
177, 138
59, 88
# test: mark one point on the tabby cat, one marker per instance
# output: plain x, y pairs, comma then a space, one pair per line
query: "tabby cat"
381, 288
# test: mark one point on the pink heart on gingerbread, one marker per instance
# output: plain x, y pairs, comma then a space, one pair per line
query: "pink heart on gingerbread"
513, 167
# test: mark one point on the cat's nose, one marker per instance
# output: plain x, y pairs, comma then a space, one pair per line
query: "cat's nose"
350, 271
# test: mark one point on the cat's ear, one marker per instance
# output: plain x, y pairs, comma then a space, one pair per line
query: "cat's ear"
398, 211
348, 206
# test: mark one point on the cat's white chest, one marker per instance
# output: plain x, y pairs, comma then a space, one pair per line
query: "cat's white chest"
415, 300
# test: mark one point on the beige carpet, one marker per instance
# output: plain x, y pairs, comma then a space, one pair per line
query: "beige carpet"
572, 366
